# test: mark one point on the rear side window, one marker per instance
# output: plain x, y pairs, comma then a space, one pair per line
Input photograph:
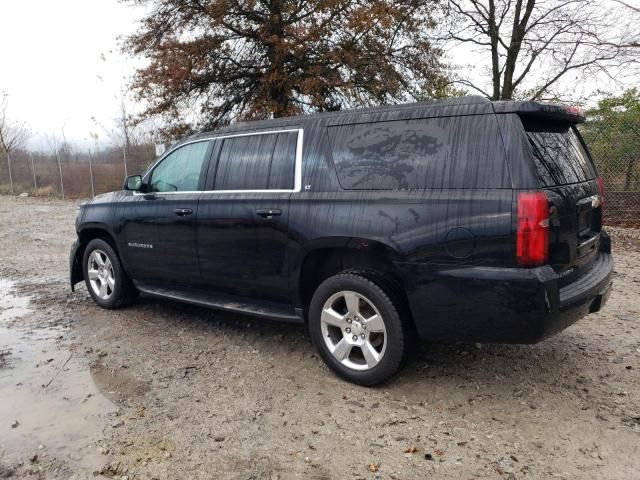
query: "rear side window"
447, 152
558, 153
257, 162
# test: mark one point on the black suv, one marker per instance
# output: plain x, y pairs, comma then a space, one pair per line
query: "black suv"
457, 220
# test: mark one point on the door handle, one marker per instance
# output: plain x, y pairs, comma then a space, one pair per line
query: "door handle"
268, 212
181, 212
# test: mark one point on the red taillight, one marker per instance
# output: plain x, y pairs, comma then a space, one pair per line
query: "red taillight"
532, 236
575, 111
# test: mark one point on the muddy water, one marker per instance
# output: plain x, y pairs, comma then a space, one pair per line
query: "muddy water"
50, 405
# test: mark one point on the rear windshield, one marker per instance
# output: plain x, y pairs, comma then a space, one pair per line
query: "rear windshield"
559, 154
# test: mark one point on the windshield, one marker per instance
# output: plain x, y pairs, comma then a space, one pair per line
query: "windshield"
559, 153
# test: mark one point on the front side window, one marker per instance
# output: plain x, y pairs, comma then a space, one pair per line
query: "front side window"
257, 162
180, 170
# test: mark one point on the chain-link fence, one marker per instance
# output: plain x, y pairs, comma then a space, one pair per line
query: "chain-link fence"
69, 174
614, 142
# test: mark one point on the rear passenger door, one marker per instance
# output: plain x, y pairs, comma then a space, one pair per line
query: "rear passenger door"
243, 216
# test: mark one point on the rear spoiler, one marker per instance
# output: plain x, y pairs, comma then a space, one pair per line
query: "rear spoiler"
547, 111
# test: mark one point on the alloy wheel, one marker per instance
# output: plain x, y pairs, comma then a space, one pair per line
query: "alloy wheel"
353, 330
101, 276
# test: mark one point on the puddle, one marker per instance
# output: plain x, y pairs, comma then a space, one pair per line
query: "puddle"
11, 306
49, 391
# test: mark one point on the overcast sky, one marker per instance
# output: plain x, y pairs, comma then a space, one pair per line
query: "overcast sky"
60, 64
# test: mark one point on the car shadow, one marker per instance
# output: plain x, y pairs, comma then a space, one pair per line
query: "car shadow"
499, 366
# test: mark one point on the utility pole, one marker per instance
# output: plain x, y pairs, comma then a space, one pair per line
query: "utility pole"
93, 194
6, 150
124, 155
10, 175
60, 170
33, 169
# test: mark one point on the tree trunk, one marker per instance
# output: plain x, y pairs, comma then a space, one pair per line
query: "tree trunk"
278, 92
517, 35
495, 58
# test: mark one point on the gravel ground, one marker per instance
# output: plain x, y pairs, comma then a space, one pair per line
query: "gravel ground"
163, 390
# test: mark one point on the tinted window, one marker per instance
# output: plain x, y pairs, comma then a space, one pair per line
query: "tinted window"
558, 153
453, 152
257, 162
281, 175
180, 170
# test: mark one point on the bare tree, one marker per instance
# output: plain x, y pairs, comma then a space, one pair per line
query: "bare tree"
628, 5
127, 127
56, 145
532, 45
12, 134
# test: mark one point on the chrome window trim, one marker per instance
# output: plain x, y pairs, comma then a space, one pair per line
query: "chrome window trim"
297, 184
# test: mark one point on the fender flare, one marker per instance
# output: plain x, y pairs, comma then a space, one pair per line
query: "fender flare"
76, 271
357, 244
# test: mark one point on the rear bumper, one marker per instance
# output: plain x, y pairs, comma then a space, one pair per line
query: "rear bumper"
503, 305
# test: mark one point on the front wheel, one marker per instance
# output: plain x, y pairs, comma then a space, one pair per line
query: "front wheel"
108, 284
357, 330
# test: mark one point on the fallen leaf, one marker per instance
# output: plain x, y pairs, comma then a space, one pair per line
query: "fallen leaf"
439, 452
373, 467
411, 449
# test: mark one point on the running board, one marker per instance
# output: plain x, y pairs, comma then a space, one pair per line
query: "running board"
224, 301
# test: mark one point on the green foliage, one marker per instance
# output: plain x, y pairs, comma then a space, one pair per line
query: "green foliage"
627, 103
612, 132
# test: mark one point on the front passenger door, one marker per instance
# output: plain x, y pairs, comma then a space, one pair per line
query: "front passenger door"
159, 226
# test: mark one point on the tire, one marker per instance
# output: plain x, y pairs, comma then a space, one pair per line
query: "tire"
340, 310
110, 276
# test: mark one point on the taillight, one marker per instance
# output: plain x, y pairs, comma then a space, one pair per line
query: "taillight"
532, 235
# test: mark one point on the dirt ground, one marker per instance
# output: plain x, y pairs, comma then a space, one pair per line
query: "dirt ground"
167, 391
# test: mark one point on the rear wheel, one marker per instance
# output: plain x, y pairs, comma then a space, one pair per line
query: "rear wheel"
108, 284
357, 330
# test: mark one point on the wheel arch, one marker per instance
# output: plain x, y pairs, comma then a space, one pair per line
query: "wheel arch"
369, 258
85, 235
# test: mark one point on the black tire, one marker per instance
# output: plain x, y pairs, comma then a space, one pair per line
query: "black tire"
123, 292
398, 343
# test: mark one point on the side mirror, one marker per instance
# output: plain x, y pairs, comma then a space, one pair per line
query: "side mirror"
133, 183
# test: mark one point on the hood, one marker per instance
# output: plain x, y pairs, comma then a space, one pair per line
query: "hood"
108, 197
